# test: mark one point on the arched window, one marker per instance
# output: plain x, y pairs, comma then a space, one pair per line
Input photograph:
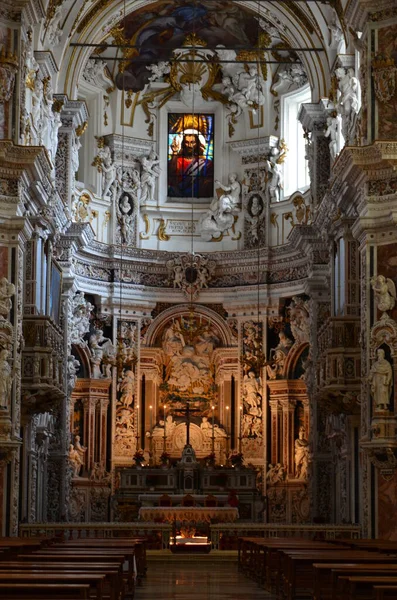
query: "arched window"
296, 171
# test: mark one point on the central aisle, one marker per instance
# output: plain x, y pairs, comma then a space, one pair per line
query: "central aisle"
197, 579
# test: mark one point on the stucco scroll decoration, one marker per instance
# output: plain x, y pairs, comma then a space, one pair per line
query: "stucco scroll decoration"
191, 273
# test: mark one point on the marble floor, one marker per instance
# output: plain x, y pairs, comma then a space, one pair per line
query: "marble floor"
195, 580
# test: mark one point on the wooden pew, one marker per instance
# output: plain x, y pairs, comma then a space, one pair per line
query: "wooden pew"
326, 575
360, 587
92, 555
297, 567
112, 572
41, 591
384, 592
94, 580
138, 544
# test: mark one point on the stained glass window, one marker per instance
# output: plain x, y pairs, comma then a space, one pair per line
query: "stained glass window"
190, 155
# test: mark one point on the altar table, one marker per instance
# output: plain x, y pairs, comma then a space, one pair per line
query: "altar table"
193, 514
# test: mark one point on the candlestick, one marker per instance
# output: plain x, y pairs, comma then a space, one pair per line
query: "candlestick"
241, 427
165, 433
213, 431
137, 426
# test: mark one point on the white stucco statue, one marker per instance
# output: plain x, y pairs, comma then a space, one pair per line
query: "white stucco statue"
74, 155
75, 461
217, 220
149, 174
79, 321
99, 346
273, 167
108, 171
7, 290
5, 379
302, 455
276, 473
380, 379
332, 133
54, 31
299, 319
127, 387
232, 190
252, 393
125, 217
349, 101
72, 369
385, 292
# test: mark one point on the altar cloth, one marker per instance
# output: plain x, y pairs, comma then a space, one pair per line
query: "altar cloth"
193, 514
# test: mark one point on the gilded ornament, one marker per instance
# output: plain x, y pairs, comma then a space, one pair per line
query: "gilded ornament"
57, 105
193, 40
145, 235
161, 234
81, 129
31, 78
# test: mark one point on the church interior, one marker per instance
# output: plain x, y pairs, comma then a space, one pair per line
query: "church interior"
229, 392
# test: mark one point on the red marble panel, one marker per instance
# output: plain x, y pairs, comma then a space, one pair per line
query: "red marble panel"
387, 128
387, 508
3, 261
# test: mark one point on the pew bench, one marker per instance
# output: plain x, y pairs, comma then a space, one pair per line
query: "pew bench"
326, 575
94, 580
384, 592
360, 587
43, 590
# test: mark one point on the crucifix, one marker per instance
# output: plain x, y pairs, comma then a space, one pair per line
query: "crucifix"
188, 411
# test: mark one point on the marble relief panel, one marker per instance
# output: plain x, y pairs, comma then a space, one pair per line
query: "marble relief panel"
387, 123
3, 261
387, 508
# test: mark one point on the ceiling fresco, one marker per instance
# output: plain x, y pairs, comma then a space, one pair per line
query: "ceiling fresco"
160, 28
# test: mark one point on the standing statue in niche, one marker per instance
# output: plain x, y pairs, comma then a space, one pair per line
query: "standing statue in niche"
74, 458
349, 101
7, 290
252, 393
127, 387
274, 168
332, 133
125, 210
233, 190
108, 171
385, 293
381, 381
302, 455
5, 379
254, 216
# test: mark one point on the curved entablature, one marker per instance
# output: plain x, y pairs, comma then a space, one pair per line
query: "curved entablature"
201, 313
300, 26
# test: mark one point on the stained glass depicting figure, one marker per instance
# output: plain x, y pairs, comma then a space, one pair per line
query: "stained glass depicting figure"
190, 155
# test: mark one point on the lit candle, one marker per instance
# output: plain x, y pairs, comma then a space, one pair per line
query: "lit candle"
227, 419
241, 421
213, 430
151, 418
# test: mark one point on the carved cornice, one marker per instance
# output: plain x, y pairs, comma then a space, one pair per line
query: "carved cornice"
254, 147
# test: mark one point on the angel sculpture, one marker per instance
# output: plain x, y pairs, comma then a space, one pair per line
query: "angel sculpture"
385, 293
